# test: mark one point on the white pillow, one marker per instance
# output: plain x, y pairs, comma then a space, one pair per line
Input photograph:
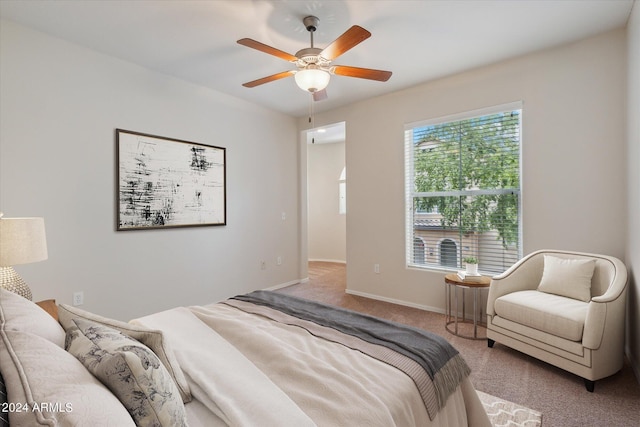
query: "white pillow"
569, 278
55, 385
153, 339
20, 314
130, 370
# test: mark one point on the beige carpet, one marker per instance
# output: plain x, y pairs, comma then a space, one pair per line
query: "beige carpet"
504, 413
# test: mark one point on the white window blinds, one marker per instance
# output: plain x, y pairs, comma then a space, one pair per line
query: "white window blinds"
463, 190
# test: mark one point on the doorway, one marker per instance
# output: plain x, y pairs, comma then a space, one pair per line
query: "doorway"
326, 193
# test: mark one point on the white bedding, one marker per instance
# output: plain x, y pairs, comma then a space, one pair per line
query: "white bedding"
246, 370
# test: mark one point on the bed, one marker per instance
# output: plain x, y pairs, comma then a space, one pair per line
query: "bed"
260, 359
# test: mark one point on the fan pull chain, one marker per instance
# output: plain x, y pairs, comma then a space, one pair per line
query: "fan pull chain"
311, 116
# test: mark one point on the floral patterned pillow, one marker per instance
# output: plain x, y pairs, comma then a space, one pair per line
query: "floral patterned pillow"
130, 370
153, 339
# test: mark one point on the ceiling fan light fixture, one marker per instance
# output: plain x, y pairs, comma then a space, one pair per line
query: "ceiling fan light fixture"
312, 79
314, 64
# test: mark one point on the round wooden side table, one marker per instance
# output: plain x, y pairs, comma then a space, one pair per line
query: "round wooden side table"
453, 282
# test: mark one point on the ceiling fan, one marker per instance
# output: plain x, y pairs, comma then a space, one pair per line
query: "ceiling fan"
314, 66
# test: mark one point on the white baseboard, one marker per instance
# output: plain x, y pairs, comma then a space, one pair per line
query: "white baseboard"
396, 301
284, 285
338, 261
365, 295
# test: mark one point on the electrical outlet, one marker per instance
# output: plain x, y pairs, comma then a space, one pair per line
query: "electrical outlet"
279, 260
376, 268
78, 298
263, 265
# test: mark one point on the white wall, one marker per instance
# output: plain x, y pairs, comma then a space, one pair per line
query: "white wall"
327, 227
574, 156
60, 104
633, 192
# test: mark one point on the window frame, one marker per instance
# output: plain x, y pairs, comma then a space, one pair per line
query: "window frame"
411, 194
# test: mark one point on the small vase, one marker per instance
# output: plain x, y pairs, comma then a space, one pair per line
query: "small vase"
472, 269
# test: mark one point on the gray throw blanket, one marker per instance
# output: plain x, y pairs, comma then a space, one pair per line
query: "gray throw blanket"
440, 360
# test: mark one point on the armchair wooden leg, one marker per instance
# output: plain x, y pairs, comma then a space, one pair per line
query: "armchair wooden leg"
590, 385
490, 342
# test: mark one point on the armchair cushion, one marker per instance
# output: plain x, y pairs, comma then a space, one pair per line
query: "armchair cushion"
556, 315
569, 278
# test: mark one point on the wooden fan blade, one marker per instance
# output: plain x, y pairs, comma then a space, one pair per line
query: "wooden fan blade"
352, 37
320, 95
267, 49
361, 73
269, 79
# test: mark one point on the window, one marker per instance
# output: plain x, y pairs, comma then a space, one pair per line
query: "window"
448, 253
463, 190
342, 192
418, 251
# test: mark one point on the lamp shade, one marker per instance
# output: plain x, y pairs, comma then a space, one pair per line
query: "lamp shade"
312, 79
22, 240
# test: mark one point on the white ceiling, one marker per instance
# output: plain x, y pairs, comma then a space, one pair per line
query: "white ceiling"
417, 40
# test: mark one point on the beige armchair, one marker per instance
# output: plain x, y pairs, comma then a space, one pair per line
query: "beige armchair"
551, 318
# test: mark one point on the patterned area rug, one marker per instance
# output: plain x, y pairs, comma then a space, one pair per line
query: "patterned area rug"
504, 413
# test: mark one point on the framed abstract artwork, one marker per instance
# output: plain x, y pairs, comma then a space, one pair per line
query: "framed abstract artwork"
166, 182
